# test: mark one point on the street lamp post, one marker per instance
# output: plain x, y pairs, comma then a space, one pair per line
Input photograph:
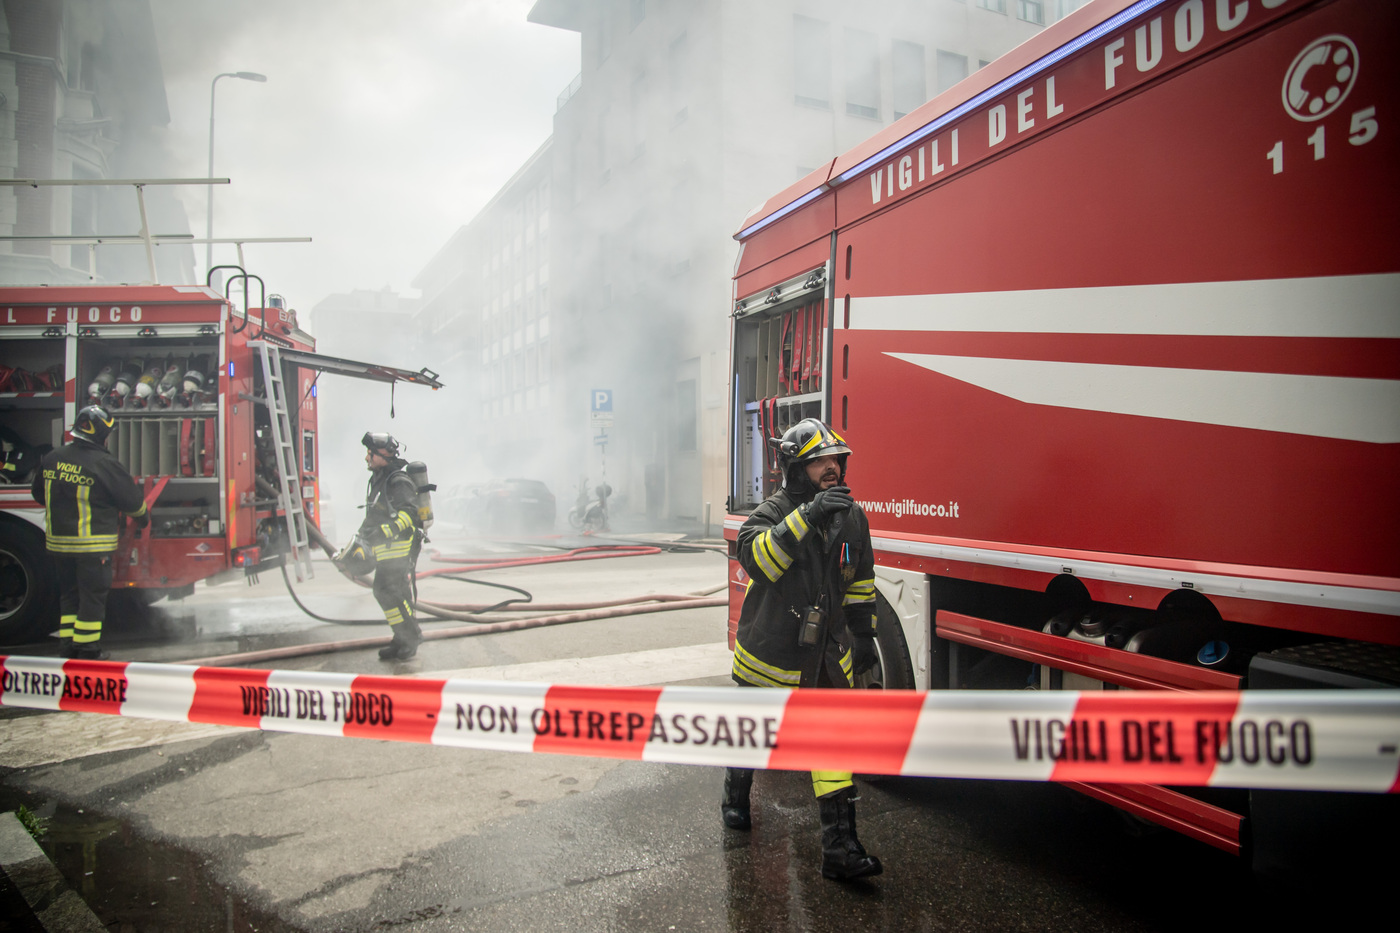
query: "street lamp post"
209, 190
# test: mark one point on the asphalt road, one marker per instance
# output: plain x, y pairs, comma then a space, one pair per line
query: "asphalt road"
168, 826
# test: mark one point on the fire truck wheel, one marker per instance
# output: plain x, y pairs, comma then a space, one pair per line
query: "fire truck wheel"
895, 671
28, 590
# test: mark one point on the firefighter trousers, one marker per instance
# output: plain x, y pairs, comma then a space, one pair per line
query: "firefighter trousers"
83, 583
823, 782
393, 590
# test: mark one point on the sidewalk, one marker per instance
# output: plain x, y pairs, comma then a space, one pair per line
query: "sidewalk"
33, 895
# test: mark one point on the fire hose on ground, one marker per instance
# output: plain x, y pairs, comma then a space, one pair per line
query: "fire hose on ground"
469, 612
629, 608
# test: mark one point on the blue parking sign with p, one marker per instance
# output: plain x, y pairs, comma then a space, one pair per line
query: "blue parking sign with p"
602, 400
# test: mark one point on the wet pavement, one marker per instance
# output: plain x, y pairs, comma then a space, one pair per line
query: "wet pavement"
636, 847
134, 883
234, 830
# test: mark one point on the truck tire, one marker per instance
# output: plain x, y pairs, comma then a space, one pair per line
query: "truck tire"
28, 586
895, 670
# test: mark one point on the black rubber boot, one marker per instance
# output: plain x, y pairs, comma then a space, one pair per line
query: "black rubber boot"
407, 636
413, 637
843, 857
734, 808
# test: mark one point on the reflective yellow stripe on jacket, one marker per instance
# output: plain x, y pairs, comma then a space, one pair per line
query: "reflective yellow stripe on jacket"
402, 523
391, 550
860, 591
74, 544
85, 511
751, 669
770, 558
768, 555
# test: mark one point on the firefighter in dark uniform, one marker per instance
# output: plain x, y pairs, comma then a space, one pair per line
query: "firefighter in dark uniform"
84, 491
808, 618
391, 537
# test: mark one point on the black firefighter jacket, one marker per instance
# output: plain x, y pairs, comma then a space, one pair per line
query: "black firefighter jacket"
391, 510
793, 565
84, 490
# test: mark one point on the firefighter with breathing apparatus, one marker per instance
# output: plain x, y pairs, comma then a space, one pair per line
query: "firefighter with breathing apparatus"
84, 491
388, 542
808, 618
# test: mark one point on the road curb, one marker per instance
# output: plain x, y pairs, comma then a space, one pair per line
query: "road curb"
57, 907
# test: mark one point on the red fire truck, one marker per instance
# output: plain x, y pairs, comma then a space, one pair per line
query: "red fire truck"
1113, 328
216, 419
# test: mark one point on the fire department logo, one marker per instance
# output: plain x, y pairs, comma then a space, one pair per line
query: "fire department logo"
1320, 78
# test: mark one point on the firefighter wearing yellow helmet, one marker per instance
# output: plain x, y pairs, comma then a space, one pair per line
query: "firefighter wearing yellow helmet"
390, 536
808, 618
84, 491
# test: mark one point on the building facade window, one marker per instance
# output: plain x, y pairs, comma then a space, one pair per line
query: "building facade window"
910, 86
811, 62
996, 6
83, 217
862, 74
603, 136
638, 114
687, 435
604, 36
952, 68
1032, 11
680, 72
1064, 8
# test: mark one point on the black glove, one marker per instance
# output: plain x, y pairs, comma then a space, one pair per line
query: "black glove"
827, 503
143, 519
863, 656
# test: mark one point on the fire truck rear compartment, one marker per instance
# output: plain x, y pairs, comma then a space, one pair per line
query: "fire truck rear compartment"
31, 397
175, 442
779, 353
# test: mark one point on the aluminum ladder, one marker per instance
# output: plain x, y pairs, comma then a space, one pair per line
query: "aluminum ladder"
288, 475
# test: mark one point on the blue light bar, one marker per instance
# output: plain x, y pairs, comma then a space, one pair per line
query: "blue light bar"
1001, 87
313, 390
230, 369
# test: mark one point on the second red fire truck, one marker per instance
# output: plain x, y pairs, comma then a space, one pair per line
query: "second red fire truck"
216, 409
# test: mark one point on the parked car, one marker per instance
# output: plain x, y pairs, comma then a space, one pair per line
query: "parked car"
507, 506
456, 503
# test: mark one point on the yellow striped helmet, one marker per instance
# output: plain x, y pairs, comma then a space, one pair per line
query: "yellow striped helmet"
93, 424
808, 440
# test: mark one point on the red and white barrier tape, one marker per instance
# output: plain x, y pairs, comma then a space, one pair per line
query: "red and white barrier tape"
1345, 740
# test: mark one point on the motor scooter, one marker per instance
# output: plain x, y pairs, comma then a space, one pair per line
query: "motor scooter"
590, 514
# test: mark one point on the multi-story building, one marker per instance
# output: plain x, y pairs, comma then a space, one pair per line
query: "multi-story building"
686, 114
486, 319
82, 96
